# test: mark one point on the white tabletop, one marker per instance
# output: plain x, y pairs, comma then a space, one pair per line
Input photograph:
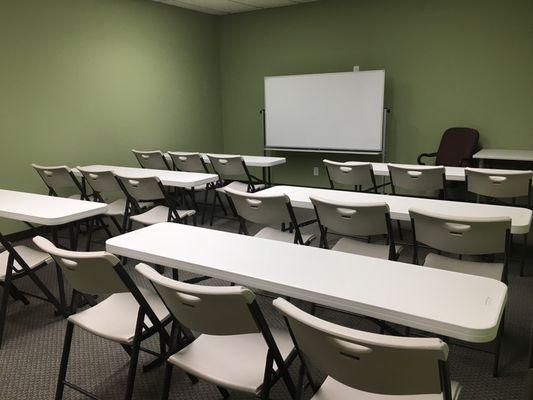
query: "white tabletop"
250, 161
46, 210
167, 178
510, 155
256, 161
400, 205
461, 306
452, 173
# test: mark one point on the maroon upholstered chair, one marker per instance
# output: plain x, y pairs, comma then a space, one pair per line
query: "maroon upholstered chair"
456, 148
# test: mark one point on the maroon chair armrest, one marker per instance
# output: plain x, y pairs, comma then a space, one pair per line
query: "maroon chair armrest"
419, 158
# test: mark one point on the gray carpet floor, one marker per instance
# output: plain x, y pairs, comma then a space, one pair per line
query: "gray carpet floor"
33, 339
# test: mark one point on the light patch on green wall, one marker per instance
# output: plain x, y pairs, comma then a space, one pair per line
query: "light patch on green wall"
83, 82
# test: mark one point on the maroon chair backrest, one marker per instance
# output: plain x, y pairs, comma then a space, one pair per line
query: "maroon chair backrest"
457, 147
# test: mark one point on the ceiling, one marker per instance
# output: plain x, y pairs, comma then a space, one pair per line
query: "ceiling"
223, 7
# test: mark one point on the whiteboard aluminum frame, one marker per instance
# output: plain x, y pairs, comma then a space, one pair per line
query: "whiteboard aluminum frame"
266, 148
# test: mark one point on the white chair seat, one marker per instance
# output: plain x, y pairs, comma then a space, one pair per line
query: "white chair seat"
235, 362
117, 207
115, 317
334, 390
240, 187
75, 196
280, 236
348, 245
33, 258
487, 270
159, 214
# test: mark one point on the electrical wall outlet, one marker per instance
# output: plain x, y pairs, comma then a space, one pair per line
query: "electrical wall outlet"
316, 171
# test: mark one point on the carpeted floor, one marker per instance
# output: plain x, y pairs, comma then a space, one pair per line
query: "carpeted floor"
33, 339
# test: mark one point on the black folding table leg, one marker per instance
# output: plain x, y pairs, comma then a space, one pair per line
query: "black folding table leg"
5, 296
18, 295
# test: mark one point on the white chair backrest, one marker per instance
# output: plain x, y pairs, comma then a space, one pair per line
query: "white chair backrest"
87, 272
154, 159
188, 162
417, 179
471, 236
261, 209
352, 219
219, 310
349, 173
498, 184
100, 181
141, 189
380, 364
57, 177
227, 166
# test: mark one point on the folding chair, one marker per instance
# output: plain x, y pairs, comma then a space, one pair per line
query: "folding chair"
230, 170
352, 173
497, 185
236, 348
464, 236
267, 210
194, 162
17, 262
150, 189
151, 159
128, 316
362, 365
59, 178
356, 219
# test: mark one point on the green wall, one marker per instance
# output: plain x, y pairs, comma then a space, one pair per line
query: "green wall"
448, 63
84, 81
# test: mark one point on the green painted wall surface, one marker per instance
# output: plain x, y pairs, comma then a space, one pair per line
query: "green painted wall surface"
84, 81
448, 63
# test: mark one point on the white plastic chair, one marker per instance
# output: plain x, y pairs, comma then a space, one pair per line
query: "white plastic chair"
268, 210
362, 365
127, 317
497, 185
151, 159
150, 189
356, 219
354, 174
17, 262
231, 169
59, 178
236, 349
464, 236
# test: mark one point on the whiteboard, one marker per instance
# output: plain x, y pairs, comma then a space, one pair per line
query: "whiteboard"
333, 111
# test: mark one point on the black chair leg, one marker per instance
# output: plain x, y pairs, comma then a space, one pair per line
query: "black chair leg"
18, 295
498, 345
400, 232
89, 234
223, 392
64, 361
523, 258
213, 207
133, 367
167, 381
